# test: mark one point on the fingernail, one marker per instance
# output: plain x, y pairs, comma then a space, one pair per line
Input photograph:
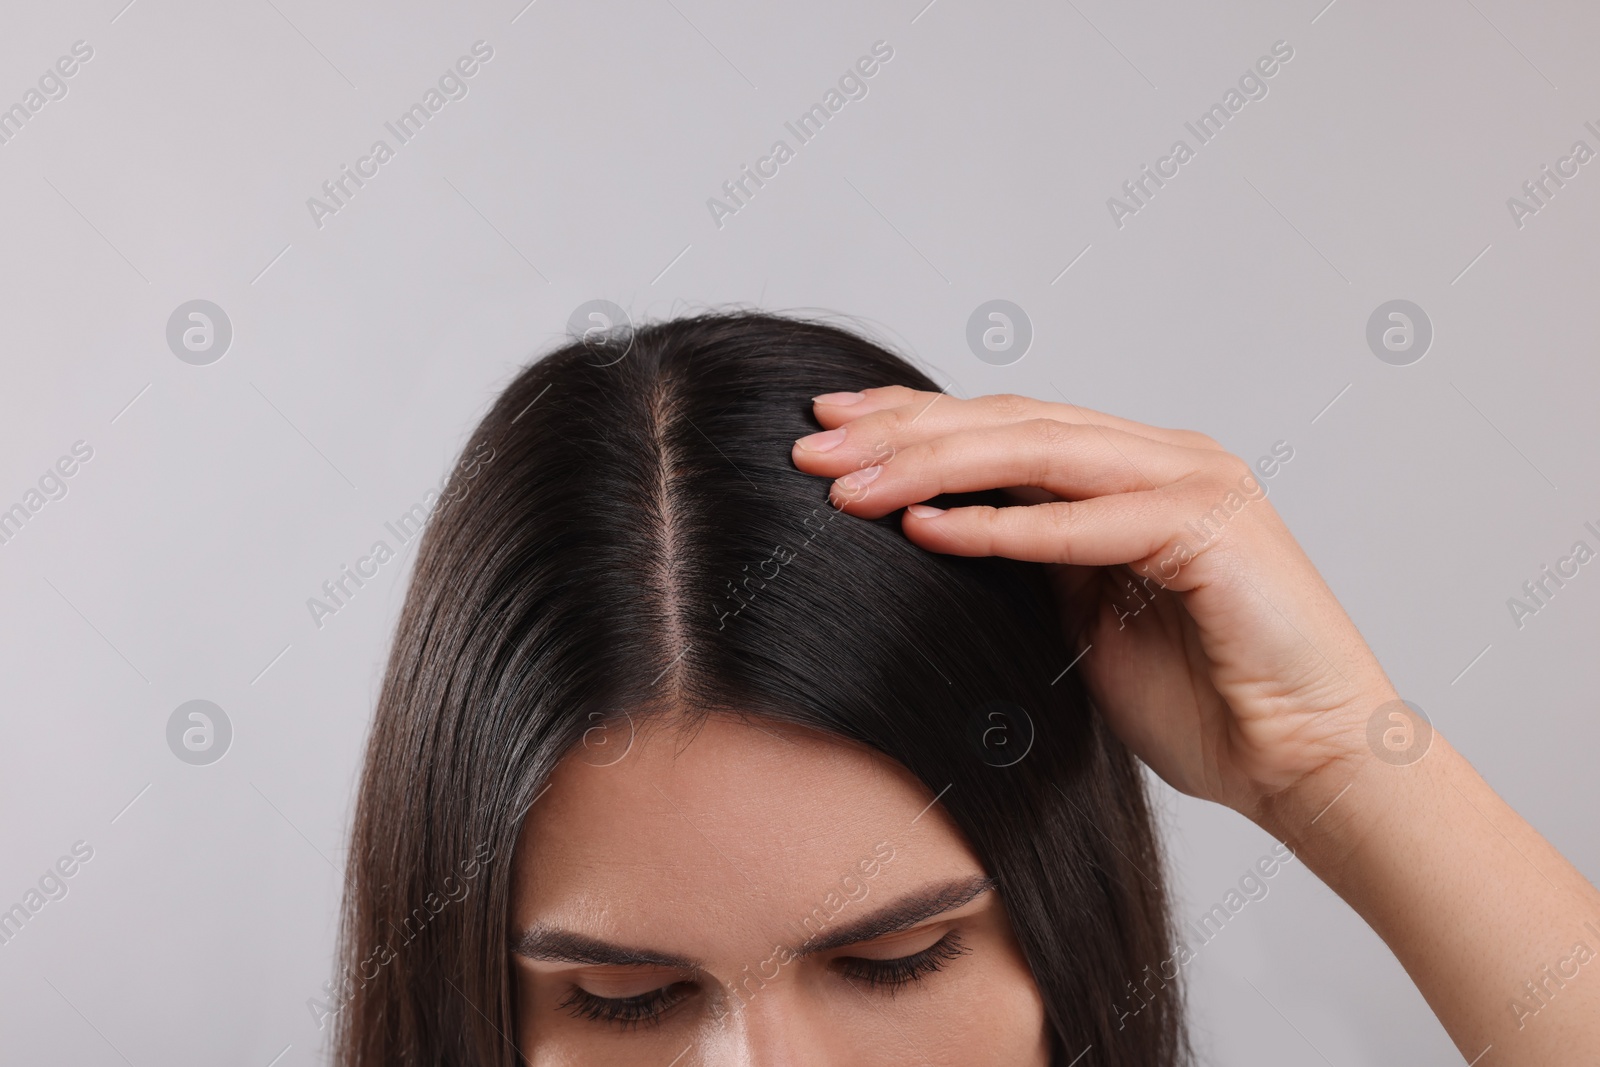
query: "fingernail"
924, 511
821, 442
857, 479
840, 399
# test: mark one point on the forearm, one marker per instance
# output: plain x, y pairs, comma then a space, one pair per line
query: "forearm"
1499, 931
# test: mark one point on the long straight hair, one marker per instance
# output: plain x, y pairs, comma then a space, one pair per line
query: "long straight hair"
630, 538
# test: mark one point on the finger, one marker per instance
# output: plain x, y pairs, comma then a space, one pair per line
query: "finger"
1067, 460
1099, 532
1142, 530
902, 413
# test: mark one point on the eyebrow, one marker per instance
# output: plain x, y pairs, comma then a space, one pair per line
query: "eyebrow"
903, 914
565, 946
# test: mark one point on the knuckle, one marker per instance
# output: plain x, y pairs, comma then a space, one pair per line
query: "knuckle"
890, 397
1221, 470
1051, 433
1009, 407
1049, 438
1062, 515
980, 525
1060, 518
1233, 468
1196, 439
883, 429
883, 448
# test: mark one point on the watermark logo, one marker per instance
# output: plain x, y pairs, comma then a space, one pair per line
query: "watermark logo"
199, 332
999, 332
52, 886
453, 84
1194, 934
339, 591
598, 325
1200, 532
1139, 190
1537, 993
738, 192
1399, 733
852, 888
1399, 333
199, 732
1542, 188
338, 991
607, 740
1002, 732
52, 85
1542, 588
52, 485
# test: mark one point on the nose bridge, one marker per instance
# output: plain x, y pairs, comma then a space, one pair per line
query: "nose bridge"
772, 1024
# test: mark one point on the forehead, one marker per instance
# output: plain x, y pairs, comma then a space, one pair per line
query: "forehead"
726, 832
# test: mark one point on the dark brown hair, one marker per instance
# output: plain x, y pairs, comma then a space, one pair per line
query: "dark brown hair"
613, 546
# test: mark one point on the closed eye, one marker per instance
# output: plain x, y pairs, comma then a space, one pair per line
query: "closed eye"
892, 974
647, 1009
643, 1009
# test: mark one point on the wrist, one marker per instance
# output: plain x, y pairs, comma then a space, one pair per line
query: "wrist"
1387, 776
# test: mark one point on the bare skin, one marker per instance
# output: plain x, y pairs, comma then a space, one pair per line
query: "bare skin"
1241, 680
734, 848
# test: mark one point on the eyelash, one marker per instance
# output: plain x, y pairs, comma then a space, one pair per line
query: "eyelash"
896, 973
624, 1012
649, 1008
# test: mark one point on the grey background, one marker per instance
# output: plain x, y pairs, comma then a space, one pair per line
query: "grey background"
220, 497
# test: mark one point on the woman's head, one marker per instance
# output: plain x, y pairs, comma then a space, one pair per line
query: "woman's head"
673, 759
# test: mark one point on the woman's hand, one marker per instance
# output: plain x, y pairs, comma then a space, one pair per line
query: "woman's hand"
1215, 650
1220, 657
